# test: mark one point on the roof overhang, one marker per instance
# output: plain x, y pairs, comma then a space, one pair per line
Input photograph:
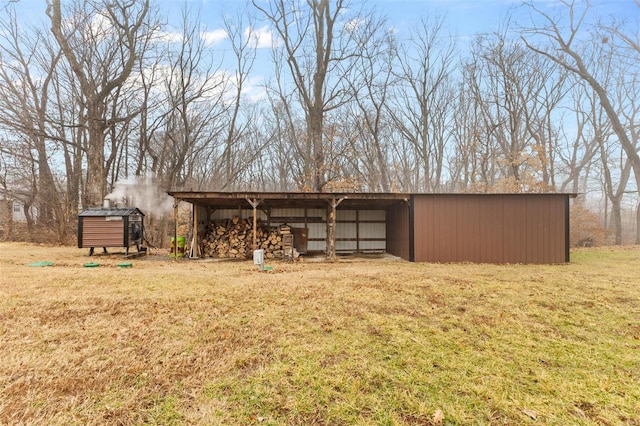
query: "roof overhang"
359, 200
110, 211
348, 200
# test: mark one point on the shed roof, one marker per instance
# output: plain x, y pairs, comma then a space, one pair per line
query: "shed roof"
349, 200
110, 211
356, 200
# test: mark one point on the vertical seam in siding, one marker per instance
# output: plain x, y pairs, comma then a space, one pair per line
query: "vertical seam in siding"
500, 239
505, 234
547, 234
412, 254
528, 228
80, 235
456, 206
125, 232
567, 255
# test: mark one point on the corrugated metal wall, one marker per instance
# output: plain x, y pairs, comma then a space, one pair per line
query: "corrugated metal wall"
317, 226
346, 231
356, 230
518, 228
367, 227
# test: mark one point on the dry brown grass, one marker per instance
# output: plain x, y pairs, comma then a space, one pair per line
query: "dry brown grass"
355, 342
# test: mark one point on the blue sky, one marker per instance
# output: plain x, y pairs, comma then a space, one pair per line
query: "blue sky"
464, 18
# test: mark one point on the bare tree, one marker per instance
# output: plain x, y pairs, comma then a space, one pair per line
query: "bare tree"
421, 104
368, 114
517, 95
578, 151
192, 125
101, 42
629, 41
565, 51
27, 74
6, 229
624, 48
473, 159
244, 43
153, 101
320, 40
285, 164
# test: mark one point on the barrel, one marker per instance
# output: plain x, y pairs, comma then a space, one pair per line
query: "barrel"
181, 244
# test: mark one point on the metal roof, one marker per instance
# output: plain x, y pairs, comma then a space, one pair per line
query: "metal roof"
290, 199
112, 211
353, 200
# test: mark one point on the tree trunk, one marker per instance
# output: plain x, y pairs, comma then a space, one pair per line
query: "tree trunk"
8, 201
638, 224
616, 218
318, 178
331, 228
331, 232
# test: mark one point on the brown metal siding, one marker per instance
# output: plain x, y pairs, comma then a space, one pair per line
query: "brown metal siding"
398, 230
491, 229
468, 238
515, 238
537, 228
519, 228
558, 208
445, 227
100, 232
423, 239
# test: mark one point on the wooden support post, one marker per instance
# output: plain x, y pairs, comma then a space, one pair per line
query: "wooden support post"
255, 227
268, 213
175, 229
331, 228
254, 203
195, 246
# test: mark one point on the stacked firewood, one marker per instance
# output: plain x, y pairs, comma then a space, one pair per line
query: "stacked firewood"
233, 238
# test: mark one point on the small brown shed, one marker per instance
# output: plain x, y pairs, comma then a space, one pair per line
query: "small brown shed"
110, 227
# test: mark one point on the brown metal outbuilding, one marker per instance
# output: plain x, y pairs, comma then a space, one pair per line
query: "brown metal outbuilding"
483, 228
110, 227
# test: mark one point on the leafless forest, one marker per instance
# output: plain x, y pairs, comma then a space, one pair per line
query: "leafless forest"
96, 92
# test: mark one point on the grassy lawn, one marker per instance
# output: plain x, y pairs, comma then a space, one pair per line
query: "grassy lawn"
360, 341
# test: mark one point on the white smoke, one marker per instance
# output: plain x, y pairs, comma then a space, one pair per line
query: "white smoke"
143, 193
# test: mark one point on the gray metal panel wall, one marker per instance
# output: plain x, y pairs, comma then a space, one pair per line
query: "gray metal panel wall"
356, 230
505, 228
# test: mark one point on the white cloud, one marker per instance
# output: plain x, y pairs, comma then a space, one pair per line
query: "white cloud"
214, 37
254, 90
260, 37
353, 25
100, 27
170, 37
